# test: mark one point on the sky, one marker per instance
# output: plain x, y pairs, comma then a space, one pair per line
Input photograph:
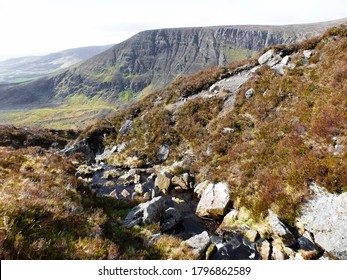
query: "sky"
36, 27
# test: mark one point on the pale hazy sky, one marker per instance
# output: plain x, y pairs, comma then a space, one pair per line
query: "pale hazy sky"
30, 27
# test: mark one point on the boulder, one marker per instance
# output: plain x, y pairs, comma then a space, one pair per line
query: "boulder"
307, 53
277, 250
325, 216
266, 57
286, 60
228, 223
183, 181
171, 221
264, 248
280, 230
125, 193
199, 243
308, 250
251, 234
236, 249
274, 60
199, 188
126, 127
146, 213
249, 93
138, 189
162, 182
214, 200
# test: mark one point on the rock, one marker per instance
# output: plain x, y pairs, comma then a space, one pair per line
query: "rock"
111, 174
264, 248
308, 250
199, 188
146, 213
279, 69
214, 88
274, 61
227, 130
162, 182
285, 60
236, 249
214, 200
289, 253
280, 230
125, 193
126, 127
249, 93
198, 243
137, 179
325, 216
228, 223
251, 234
121, 147
106, 154
182, 181
138, 189
146, 196
163, 152
210, 251
307, 53
172, 221
266, 57
133, 162
277, 250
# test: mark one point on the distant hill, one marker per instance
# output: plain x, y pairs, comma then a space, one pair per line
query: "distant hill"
31, 67
151, 60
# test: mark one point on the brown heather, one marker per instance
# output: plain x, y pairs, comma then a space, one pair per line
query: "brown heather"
280, 139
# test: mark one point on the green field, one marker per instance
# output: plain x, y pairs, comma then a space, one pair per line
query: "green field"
78, 113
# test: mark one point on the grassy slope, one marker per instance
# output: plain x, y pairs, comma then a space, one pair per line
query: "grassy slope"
76, 114
281, 139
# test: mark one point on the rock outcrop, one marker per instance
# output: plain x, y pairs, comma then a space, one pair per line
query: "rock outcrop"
214, 200
325, 216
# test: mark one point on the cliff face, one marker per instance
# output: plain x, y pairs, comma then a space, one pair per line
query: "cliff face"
152, 59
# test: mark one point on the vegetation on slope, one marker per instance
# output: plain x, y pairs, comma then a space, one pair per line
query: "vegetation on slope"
279, 140
290, 132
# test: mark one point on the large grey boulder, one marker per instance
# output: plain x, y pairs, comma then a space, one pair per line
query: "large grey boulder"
146, 213
280, 230
198, 243
325, 216
214, 200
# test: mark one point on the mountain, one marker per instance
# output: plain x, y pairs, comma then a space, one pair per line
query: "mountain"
151, 60
32, 67
245, 161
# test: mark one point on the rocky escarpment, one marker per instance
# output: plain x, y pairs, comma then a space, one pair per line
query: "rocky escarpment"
152, 59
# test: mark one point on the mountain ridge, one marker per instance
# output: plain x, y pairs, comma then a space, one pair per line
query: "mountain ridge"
152, 59
32, 67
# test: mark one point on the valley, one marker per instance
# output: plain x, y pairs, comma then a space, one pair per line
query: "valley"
239, 159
